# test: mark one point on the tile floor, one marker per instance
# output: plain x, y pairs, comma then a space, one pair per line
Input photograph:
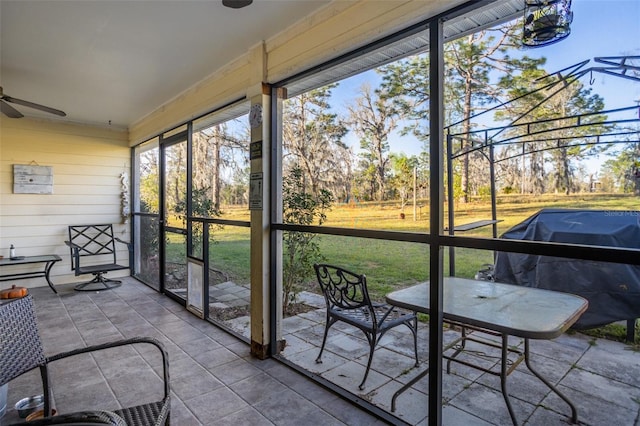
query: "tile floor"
215, 381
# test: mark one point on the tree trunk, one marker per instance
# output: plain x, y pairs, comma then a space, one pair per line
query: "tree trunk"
215, 171
464, 179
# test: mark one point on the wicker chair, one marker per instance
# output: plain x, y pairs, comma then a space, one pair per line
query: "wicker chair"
347, 300
81, 418
21, 351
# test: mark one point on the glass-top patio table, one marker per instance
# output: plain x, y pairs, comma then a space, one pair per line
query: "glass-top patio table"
499, 309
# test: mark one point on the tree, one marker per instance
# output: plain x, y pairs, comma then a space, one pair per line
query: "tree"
301, 249
373, 118
624, 169
207, 163
574, 100
404, 170
215, 149
469, 62
236, 191
149, 181
176, 178
519, 100
405, 83
312, 139
549, 108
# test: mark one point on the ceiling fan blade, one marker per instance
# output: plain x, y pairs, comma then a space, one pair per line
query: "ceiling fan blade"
35, 106
9, 111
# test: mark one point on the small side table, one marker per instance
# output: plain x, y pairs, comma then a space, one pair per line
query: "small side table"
48, 260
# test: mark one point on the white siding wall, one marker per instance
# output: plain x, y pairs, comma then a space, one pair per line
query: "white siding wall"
87, 163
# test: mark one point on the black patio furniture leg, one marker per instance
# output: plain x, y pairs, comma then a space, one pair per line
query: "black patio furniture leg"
372, 346
504, 372
414, 330
574, 411
459, 348
47, 271
330, 322
631, 330
405, 387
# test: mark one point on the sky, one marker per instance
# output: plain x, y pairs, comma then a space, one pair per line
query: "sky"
600, 28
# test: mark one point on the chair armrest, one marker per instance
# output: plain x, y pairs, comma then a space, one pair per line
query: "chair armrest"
127, 243
80, 418
129, 248
117, 343
75, 261
72, 245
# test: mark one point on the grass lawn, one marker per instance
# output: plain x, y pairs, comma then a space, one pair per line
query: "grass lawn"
389, 264
616, 331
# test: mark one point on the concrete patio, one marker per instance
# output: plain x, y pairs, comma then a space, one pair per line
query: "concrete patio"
214, 380
601, 377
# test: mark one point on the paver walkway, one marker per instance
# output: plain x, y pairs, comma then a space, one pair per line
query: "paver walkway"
600, 376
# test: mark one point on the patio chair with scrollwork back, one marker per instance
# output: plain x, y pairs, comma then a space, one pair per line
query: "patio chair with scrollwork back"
347, 299
22, 351
93, 251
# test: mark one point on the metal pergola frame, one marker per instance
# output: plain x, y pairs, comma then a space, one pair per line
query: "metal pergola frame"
486, 140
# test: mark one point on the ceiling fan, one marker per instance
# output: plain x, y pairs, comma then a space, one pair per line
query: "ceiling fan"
11, 112
236, 4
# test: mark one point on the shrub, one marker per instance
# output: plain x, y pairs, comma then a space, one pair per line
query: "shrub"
300, 249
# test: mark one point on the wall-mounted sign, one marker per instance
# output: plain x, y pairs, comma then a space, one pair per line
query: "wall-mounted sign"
255, 191
255, 150
28, 179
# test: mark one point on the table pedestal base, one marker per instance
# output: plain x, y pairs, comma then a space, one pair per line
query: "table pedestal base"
99, 282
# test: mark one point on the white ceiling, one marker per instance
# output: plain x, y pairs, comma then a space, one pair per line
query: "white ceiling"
119, 60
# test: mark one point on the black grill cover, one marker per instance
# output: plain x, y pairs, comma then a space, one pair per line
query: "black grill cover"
613, 290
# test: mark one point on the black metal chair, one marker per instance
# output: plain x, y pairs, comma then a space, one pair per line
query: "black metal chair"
347, 300
21, 351
95, 244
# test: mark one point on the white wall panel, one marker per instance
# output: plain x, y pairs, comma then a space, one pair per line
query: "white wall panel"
87, 163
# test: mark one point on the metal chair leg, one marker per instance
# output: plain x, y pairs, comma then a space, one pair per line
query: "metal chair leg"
324, 339
372, 347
